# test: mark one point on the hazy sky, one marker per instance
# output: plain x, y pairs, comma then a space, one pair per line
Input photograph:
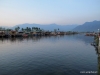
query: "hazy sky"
62, 12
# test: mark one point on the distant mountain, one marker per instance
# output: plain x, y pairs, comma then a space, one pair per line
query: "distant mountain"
50, 27
88, 26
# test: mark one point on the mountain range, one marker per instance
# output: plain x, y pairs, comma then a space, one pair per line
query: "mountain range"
49, 27
88, 26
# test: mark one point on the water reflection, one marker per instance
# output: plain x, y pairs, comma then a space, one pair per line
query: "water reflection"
34, 38
49, 55
19, 39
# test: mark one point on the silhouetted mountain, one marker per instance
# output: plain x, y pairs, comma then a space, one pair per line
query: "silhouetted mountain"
50, 27
88, 26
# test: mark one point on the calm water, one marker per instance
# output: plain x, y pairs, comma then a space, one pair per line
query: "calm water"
54, 55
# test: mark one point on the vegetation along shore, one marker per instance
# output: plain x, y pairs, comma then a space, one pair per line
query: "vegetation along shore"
34, 31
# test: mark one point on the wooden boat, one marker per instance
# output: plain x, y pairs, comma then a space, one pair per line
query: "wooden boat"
25, 35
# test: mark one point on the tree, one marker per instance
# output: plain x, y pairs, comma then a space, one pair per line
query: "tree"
32, 28
1, 28
55, 30
22, 29
17, 28
36, 28
27, 29
58, 29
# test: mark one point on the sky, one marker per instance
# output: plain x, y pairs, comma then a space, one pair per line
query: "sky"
62, 12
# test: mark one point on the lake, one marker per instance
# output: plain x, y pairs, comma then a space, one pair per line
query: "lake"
48, 55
